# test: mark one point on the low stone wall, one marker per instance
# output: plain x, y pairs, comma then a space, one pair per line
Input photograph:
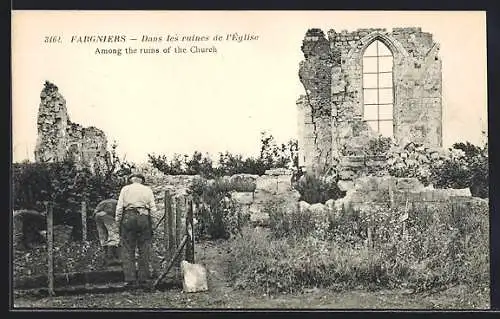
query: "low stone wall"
360, 192
402, 192
265, 188
274, 183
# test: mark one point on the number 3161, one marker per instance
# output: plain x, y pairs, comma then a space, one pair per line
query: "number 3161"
52, 39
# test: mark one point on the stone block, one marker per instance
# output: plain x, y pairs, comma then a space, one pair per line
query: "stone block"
444, 194
460, 192
243, 198
366, 183
278, 171
344, 185
409, 184
304, 206
267, 184
385, 182
194, 277
284, 184
427, 195
352, 161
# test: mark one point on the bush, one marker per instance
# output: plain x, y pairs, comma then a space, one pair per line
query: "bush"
318, 189
466, 167
66, 185
241, 183
378, 146
218, 215
463, 165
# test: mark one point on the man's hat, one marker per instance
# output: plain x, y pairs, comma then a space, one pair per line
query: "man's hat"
138, 176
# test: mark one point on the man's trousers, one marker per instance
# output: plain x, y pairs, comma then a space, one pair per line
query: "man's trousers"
136, 232
107, 228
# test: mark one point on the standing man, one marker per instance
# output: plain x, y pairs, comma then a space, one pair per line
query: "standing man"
133, 213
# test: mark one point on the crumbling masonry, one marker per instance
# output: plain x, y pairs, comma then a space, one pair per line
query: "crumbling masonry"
59, 138
348, 99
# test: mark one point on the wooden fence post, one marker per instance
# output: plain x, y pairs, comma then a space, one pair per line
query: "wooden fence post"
50, 246
171, 226
84, 221
166, 202
405, 217
468, 207
190, 232
178, 214
391, 194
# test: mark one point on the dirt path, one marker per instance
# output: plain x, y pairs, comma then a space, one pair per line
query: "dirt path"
221, 295
228, 299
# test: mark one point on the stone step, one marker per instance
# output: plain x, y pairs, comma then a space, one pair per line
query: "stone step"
71, 279
91, 288
111, 276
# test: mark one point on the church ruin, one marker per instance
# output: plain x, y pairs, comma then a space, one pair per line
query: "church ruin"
59, 138
367, 83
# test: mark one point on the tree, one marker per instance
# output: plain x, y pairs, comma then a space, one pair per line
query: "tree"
271, 156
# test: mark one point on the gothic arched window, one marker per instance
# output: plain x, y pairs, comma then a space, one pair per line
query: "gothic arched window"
378, 100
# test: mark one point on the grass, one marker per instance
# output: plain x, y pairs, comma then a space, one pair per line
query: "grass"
222, 294
434, 269
446, 252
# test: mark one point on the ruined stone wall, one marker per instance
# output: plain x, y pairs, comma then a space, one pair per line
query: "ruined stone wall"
352, 167
59, 138
417, 112
52, 125
416, 84
315, 106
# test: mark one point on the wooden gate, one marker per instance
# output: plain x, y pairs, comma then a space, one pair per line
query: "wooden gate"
177, 237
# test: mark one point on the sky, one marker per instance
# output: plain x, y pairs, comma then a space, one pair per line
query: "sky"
170, 103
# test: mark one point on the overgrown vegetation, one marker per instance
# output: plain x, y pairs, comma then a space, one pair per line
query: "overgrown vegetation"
378, 146
315, 188
463, 165
288, 221
271, 155
467, 167
68, 257
218, 214
67, 185
443, 246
